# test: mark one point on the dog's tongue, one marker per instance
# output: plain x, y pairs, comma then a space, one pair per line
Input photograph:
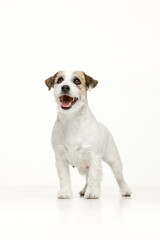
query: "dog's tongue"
65, 104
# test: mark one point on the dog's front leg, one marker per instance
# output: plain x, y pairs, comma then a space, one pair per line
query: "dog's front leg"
94, 177
64, 178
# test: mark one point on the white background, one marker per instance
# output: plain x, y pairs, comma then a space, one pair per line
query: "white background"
117, 43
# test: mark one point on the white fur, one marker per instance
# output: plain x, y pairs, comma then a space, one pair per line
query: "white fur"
79, 140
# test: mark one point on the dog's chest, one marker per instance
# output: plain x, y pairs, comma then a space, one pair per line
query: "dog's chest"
76, 157
75, 146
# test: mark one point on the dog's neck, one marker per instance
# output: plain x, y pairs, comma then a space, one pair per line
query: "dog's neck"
66, 117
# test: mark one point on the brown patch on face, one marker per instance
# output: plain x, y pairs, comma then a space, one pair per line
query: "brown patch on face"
51, 80
81, 76
86, 80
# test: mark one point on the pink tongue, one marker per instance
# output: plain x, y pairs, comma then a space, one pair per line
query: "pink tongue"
66, 104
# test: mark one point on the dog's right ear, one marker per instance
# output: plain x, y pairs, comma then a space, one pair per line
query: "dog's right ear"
50, 81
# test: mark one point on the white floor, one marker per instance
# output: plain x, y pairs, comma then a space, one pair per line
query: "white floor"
35, 213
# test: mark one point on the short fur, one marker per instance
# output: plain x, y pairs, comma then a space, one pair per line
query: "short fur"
79, 140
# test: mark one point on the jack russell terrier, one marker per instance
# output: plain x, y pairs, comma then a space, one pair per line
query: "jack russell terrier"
78, 139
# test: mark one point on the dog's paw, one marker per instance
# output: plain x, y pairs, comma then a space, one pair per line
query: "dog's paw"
125, 191
92, 193
64, 194
81, 193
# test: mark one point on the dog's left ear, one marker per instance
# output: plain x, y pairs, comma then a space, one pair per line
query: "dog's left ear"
50, 81
90, 82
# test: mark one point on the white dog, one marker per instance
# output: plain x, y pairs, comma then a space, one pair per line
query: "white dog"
78, 139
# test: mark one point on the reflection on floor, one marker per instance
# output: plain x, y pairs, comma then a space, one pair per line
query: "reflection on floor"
35, 213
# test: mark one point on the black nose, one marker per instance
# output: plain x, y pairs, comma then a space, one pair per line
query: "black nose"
65, 88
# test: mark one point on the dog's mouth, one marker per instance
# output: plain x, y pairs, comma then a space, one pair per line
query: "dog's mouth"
67, 101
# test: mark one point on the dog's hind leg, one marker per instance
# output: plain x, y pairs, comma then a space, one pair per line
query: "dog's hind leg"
82, 192
113, 159
83, 172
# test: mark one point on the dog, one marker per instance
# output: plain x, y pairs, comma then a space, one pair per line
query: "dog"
78, 139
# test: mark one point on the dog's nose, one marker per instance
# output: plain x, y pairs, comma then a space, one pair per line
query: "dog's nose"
65, 88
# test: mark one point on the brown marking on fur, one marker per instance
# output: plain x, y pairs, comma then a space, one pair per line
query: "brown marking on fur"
87, 167
86, 80
81, 76
51, 80
90, 82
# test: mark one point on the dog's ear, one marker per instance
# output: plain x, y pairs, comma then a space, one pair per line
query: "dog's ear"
50, 81
90, 82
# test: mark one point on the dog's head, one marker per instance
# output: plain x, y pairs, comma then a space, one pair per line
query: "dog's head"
70, 88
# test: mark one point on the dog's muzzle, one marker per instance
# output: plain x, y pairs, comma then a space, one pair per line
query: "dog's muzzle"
67, 101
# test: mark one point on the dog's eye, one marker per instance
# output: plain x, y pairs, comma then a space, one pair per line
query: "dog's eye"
60, 79
77, 81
